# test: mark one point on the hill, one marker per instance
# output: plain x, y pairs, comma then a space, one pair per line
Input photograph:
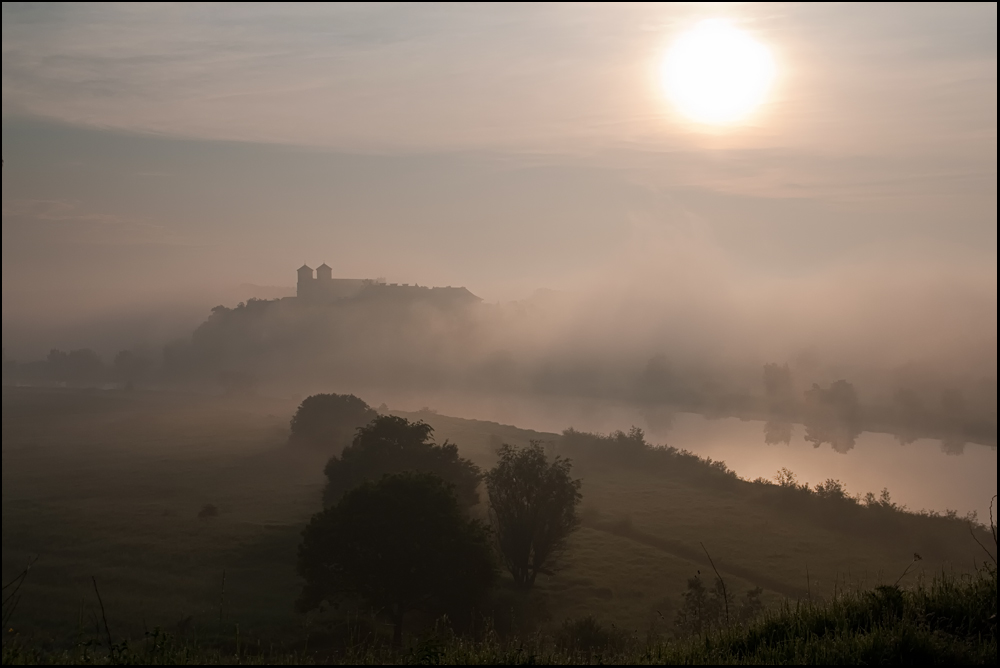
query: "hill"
115, 486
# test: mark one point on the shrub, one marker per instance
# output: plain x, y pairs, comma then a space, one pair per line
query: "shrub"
329, 421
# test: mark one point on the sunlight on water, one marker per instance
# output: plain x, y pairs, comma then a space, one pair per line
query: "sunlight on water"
920, 474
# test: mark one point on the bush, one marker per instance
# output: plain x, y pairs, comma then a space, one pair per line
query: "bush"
329, 421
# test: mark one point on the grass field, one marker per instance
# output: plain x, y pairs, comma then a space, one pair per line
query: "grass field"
108, 485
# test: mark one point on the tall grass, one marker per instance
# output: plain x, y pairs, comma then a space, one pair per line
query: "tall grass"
950, 620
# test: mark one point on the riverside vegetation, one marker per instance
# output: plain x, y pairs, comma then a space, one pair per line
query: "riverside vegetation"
675, 558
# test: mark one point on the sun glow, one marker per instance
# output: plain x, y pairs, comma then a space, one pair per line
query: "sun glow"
717, 74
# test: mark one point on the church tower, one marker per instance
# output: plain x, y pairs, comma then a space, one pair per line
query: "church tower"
305, 287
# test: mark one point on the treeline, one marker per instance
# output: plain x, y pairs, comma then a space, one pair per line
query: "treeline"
835, 414
82, 367
425, 345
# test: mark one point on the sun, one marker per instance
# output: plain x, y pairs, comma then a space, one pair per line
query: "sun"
716, 73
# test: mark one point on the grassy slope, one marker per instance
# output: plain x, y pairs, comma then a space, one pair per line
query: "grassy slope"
109, 484
645, 531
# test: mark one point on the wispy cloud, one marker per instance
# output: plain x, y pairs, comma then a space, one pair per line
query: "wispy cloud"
392, 77
65, 222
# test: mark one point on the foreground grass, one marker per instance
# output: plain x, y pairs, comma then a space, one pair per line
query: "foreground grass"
950, 621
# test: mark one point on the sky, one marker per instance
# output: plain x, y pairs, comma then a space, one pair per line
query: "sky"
158, 157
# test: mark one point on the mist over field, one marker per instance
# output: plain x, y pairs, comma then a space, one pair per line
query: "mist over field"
758, 319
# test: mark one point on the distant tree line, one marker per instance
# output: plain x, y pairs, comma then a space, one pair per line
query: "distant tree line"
81, 367
836, 415
371, 342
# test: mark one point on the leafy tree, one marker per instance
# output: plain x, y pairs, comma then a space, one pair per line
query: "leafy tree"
400, 544
390, 444
329, 420
533, 508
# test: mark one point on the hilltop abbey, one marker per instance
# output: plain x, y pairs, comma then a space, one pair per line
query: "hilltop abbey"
322, 288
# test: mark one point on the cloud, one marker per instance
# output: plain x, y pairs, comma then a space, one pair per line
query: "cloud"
393, 77
65, 222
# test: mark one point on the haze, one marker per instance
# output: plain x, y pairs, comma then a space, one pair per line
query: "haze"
160, 160
594, 328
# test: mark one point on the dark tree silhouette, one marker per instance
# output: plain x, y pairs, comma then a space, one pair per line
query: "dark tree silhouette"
533, 508
329, 420
400, 544
390, 444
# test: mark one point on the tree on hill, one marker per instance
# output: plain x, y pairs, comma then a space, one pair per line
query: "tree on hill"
533, 508
400, 544
329, 420
390, 444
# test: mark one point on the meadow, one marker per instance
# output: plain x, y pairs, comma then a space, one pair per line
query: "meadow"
105, 492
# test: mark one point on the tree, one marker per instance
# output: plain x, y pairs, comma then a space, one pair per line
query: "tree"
390, 444
400, 544
533, 509
329, 420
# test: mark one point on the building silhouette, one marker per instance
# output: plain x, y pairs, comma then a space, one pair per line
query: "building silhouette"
323, 288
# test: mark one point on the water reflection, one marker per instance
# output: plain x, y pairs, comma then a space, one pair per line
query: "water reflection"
833, 415
921, 475
953, 446
776, 431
